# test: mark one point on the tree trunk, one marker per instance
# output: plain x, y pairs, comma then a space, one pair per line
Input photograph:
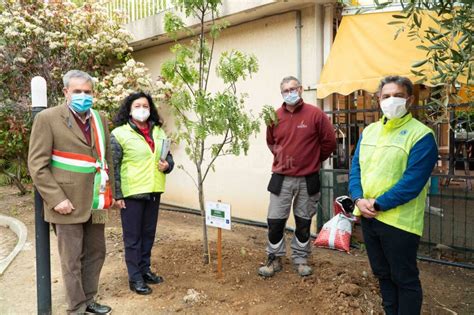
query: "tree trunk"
203, 217
17, 182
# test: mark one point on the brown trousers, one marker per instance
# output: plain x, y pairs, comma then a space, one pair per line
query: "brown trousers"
82, 253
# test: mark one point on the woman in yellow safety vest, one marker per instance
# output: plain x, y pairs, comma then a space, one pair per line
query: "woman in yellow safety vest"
141, 159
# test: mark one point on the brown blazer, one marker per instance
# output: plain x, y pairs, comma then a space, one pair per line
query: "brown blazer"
56, 128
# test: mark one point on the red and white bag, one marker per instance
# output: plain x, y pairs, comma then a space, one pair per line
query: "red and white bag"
336, 233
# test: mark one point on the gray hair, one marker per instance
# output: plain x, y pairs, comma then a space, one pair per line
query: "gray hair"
398, 80
288, 79
76, 74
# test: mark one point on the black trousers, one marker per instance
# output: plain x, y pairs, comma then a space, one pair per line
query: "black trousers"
392, 257
139, 220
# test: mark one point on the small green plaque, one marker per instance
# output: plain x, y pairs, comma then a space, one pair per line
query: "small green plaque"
218, 213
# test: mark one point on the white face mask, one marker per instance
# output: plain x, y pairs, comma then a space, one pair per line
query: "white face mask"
394, 107
140, 114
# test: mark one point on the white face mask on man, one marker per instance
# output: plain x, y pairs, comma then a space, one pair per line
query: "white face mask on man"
140, 114
394, 107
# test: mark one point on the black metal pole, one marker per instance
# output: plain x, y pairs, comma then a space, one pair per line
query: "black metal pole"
43, 255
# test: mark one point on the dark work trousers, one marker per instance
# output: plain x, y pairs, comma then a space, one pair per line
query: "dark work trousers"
139, 220
392, 256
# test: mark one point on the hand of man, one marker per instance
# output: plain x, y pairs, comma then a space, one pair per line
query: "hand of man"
366, 207
64, 207
163, 165
120, 204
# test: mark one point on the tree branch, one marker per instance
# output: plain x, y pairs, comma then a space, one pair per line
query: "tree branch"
190, 176
186, 82
215, 157
210, 56
201, 48
181, 113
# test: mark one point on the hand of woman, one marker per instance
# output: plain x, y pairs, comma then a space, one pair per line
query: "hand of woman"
163, 166
120, 204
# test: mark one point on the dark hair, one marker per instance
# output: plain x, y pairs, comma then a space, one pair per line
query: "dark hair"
401, 81
123, 114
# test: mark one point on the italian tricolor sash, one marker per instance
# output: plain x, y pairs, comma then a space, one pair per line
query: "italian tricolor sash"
81, 163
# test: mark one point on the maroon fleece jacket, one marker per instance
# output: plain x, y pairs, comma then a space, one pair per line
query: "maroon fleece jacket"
301, 140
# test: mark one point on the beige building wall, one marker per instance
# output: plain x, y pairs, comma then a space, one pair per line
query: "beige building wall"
241, 181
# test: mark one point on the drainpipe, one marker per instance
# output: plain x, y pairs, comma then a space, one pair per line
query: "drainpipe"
328, 35
318, 22
298, 28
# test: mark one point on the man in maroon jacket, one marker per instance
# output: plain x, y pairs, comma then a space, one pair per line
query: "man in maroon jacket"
302, 138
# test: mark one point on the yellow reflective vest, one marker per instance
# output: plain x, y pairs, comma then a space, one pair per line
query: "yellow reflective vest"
383, 158
139, 172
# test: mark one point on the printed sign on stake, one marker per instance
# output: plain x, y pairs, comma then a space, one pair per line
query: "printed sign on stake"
218, 215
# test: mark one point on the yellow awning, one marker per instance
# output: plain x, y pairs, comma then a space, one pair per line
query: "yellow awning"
364, 51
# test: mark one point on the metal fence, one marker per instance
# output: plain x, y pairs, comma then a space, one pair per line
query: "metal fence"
449, 216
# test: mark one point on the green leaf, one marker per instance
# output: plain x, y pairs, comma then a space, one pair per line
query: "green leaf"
436, 47
417, 20
269, 115
463, 39
419, 63
398, 16
422, 47
395, 22
172, 24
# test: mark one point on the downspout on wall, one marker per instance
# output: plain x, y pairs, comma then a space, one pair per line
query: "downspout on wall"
328, 35
298, 28
318, 22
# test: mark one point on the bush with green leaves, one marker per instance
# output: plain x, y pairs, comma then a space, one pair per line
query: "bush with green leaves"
15, 127
48, 39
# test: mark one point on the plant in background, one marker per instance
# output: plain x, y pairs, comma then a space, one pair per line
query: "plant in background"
15, 125
209, 124
269, 115
48, 39
120, 82
448, 45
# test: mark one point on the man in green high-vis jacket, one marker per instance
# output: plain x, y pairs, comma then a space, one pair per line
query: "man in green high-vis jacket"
389, 182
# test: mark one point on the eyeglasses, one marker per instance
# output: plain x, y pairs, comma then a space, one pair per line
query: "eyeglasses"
291, 90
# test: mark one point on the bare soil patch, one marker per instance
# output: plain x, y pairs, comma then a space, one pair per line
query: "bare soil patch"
341, 284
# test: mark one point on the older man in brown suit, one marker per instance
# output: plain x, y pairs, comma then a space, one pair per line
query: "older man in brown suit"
71, 166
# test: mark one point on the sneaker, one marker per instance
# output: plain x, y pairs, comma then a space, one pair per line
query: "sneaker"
304, 270
273, 265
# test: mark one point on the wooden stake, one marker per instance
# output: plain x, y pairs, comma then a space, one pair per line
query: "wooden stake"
219, 253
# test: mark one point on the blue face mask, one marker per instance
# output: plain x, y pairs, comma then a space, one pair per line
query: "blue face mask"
81, 103
291, 98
